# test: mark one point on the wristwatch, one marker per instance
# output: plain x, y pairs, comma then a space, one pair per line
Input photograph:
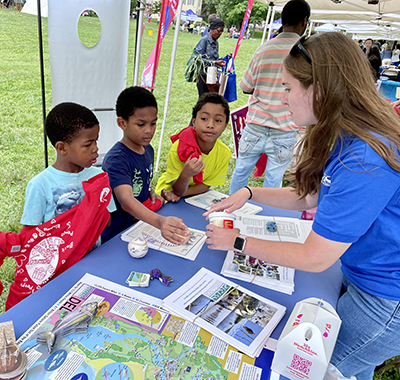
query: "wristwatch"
240, 243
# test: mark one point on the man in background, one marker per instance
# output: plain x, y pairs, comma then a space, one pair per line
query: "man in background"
269, 125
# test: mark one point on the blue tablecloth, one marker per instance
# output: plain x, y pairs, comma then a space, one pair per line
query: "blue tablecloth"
112, 262
388, 89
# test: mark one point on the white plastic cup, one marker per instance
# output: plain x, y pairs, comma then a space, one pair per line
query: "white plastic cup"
222, 219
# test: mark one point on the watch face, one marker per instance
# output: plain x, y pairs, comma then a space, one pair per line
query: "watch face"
239, 243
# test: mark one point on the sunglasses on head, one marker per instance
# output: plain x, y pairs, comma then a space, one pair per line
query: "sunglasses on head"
298, 48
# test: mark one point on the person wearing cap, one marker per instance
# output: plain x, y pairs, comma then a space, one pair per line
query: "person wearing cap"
208, 48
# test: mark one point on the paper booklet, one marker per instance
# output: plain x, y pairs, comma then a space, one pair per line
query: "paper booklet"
154, 239
234, 314
247, 268
131, 336
211, 197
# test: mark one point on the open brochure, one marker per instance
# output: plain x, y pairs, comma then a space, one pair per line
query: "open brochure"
154, 239
131, 336
247, 268
211, 197
234, 314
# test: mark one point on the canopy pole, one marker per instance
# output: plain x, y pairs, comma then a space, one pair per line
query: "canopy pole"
138, 47
42, 82
171, 73
270, 25
310, 27
270, 5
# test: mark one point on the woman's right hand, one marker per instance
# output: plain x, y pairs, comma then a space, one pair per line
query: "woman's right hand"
230, 204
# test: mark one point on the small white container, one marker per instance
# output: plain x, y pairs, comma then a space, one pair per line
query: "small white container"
222, 219
137, 248
211, 75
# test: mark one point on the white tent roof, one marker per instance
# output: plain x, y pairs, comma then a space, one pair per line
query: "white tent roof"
385, 10
31, 8
328, 27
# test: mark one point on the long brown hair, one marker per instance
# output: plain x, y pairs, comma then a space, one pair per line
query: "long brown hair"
344, 100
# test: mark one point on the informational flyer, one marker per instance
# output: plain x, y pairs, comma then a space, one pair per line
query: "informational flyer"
154, 239
234, 314
247, 268
273, 228
131, 337
211, 197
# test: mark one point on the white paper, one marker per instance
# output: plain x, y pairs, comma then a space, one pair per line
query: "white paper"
288, 229
154, 240
247, 268
211, 197
250, 372
217, 347
233, 362
232, 313
188, 334
68, 368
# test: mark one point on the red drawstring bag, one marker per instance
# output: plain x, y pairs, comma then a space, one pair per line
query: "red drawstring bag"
43, 252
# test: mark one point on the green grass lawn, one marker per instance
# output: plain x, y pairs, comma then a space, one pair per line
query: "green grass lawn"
21, 124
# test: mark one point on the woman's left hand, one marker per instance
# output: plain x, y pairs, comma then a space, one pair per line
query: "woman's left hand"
221, 238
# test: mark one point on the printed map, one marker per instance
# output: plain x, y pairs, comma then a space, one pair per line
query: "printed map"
130, 338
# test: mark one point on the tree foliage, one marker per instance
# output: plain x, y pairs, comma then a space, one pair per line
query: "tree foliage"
156, 8
232, 11
208, 7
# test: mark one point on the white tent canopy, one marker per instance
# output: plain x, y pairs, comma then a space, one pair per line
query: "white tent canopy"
385, 10
31, 8
383, 18
328, 27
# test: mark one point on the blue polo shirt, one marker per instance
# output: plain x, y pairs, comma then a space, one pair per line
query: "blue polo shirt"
359, 203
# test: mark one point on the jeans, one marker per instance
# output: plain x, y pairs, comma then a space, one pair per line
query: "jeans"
370, 332
277, 145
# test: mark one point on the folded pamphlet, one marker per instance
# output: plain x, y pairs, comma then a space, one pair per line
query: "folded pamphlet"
230, 312
154, 239
211, 197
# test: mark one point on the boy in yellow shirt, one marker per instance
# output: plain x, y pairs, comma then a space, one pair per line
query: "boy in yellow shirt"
197, 159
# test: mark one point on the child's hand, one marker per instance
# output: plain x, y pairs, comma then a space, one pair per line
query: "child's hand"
171, 227
170, 196
154, 196
193, 166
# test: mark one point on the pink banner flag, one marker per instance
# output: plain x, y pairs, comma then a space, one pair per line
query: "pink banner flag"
244, 27
168, 10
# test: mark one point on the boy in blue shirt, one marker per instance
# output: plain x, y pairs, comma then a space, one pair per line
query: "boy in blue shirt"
129, 164
73, 130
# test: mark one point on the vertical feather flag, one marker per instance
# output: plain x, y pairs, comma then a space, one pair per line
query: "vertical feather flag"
168, 10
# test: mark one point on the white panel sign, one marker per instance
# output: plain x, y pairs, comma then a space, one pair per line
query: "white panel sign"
93, 76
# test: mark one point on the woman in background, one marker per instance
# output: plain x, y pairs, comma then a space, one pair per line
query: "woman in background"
374, 59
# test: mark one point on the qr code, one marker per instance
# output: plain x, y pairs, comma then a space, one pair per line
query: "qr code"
302, 365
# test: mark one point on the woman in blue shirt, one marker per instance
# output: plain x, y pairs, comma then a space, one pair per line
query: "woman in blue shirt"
350, 168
